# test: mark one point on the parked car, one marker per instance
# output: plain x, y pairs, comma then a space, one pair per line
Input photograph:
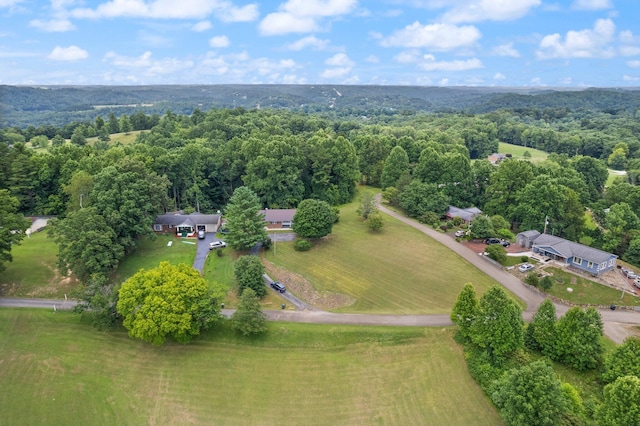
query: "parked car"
217, 244
525, 267
490, 241
201, 234
278, 286
636, 282
459, 233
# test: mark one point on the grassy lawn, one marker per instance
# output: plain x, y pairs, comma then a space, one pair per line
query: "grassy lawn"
399, 270
33, 271
149, 253
613, 175
586, 291
517, 151
61, 371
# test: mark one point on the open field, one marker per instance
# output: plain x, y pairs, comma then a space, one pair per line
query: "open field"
398, 270
586, 291
61, 371
517, 151
33, 272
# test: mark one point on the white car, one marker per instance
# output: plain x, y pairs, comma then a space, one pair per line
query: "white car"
459, 233
525, 267
217, 244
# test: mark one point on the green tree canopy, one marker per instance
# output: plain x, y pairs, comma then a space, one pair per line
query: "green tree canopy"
498, 327
530, 395
167, 301
465, 310
482, 227
623, 361
248, 318
621, 403
12, 226
419, 198
541, 332
248, 271
578, 335
313, 219
396, 165
245, 224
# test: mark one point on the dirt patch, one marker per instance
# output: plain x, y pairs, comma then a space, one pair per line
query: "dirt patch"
299, 286
56, 286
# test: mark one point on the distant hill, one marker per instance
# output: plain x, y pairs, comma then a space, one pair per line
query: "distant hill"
21, 106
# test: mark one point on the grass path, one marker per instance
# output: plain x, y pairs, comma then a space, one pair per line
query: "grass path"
61, 371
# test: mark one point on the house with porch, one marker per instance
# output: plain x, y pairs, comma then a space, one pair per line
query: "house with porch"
186, 225
569, 253
278, 218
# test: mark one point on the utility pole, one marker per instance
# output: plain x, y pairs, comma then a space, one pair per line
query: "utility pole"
546, 222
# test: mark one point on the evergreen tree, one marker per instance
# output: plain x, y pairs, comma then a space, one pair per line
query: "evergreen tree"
245, 224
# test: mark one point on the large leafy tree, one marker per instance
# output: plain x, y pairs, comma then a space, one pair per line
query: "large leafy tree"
167, 301
396, 165
12, 226
530, 395
465, 310
594, 172
248, 318
245, 224
620, 405
87, 245
578, 335
313, 219
419, 198
623, 361
510, 177
498, 327
249, 272
541, 332
129, 197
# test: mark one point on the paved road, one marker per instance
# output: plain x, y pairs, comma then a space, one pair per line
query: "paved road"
203, 250
37, 303
299, 304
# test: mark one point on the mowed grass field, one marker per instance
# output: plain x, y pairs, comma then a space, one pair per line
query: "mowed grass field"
398, 270
33, 271
57, 370
517, 151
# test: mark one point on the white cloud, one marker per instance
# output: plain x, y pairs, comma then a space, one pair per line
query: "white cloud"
201, 26
373, 59
71, 53
53, 26
335, 72
310, 41
628, 37
443, 82
630, 78
537, 81
434, 36
9, 3
303, 16
487, 10
219, 41
339, 60
580, 44
630, 50
499, 76
506, 50
167, 9
407, 57
147, 65
566, 80
633, 64
430, 64
591, 4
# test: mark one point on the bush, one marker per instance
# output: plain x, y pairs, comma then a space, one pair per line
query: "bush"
532, 279
430, 218
219, 252
302, 245
524, 259
266, 243
546, 283
457, 221
450, 224
497, 252
505, 234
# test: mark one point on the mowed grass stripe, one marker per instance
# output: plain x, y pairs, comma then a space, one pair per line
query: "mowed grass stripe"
61, 371
399, 270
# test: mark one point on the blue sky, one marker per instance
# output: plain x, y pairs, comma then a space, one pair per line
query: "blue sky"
568, 43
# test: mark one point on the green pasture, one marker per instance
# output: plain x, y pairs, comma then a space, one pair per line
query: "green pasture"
33, 271
517, 151
398, 270
586, 291
58, 370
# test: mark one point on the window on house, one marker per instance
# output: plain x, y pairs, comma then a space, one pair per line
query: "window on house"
157, 227
286, 224
577, 260
612, 262
590, 265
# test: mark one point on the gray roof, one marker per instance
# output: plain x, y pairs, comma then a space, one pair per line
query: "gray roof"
278, 215
532, 234
466, 214
178, 218
570, 249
